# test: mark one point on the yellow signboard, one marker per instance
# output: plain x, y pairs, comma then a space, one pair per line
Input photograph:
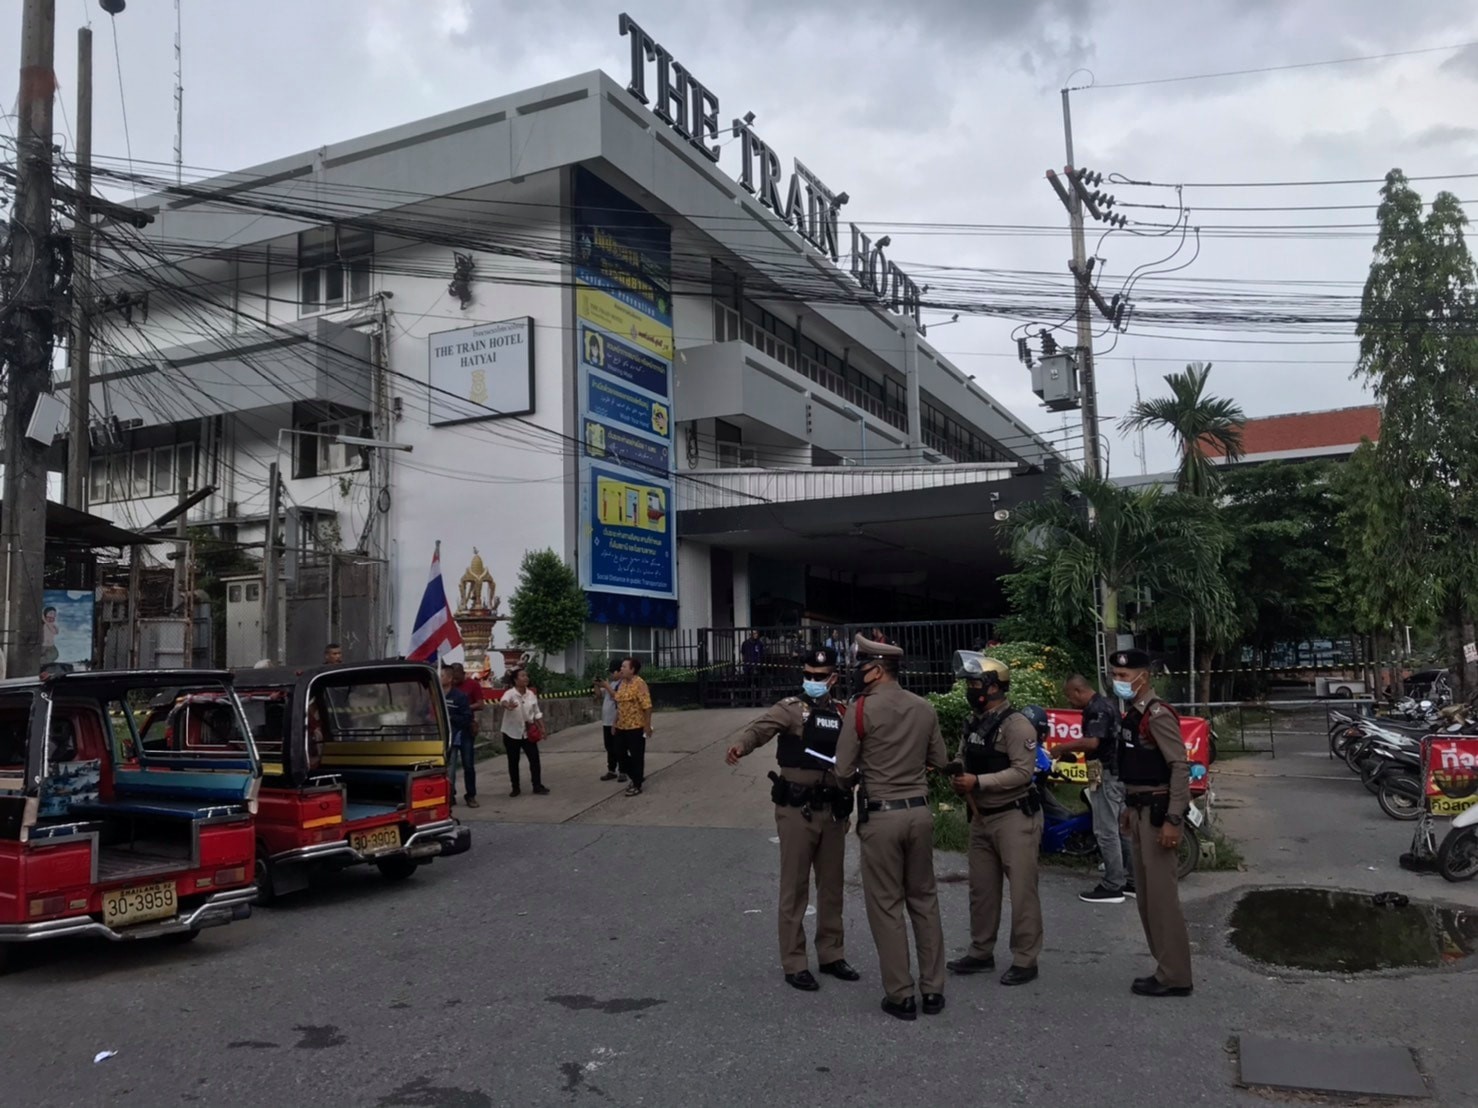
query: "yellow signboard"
605, 311
623, 504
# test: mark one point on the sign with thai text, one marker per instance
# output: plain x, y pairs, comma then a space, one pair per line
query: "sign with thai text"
481, 372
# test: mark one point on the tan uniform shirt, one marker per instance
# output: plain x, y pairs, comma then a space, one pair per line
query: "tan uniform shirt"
786, 718
900, 736
1164, 728
1017, 739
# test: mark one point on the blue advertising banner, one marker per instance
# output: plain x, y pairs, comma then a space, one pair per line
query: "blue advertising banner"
624, 350
624, 448
631, 531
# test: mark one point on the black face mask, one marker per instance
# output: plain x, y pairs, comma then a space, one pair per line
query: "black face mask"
977, 699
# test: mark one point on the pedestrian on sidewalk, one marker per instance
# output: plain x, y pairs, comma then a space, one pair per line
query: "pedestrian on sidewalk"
633, 723
460, 718
523, 729
998, 750
1100, 747
605, 693
1157, 792
811, 817
889, 736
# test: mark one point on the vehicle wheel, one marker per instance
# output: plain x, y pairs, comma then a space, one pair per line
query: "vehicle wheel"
1188, 854
266, 890
1400, 798
1080, 844
1354, 753
397, 868
180, 938
1344, 693
1370, 773
8, 959
1457, 857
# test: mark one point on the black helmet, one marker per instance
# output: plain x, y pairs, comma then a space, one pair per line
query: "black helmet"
1038, 716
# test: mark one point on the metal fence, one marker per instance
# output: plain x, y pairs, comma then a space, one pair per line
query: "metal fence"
1256, 726
730, 673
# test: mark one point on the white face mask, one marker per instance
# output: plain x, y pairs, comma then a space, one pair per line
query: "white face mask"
1123, 690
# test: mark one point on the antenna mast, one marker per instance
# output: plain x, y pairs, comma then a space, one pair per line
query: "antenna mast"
179, 101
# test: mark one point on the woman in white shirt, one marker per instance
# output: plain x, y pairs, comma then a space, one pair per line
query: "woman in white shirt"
521, 708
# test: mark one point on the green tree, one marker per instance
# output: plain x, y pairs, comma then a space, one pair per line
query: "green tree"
548, 610
1417, 506
1139, 541
1196, 421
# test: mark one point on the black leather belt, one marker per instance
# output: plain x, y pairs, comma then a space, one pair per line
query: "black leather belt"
1013, 807
1143, 800
894, 805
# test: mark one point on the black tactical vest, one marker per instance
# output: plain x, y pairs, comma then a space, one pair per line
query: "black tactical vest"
978, 751
1140, 760
820, 732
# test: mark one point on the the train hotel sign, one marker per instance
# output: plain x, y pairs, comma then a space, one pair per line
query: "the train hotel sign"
805, 203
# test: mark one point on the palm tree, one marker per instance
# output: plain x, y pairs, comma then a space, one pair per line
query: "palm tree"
1196, 421
1131, 538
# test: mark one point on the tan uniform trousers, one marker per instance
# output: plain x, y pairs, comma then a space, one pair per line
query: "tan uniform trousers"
898, 875
819, 845
1159, 902
1005, 847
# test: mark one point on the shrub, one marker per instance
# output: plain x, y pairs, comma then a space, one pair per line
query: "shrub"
1037, 676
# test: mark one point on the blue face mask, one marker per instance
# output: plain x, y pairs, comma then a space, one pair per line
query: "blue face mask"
815, 690
1123, 690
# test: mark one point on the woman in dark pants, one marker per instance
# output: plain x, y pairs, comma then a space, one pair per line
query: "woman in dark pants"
605, 694
633, 723
521, 708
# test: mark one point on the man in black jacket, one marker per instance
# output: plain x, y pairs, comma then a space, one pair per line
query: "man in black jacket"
1100, 747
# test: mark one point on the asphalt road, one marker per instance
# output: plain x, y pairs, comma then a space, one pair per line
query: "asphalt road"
589, 962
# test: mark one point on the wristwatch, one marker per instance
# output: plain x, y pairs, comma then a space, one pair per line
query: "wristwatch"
1174, 821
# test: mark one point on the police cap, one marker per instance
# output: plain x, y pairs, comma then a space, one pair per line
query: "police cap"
1130, 659
823, 657
869, 650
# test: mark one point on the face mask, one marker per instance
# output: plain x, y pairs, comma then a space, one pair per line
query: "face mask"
814, 690
977, 698
1123, 690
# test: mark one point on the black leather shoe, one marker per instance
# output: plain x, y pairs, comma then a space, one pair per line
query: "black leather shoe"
970, 964
802, 981
901, 1009
840, 970
1143, 982
1019, 975
933, 1003
1155, 987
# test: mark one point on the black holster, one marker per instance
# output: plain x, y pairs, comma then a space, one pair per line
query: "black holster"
1031, 803
779, 789
842, 805
1159, 809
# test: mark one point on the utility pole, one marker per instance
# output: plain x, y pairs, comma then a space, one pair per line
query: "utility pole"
269, 569
81, 350
1085, 322
28, 332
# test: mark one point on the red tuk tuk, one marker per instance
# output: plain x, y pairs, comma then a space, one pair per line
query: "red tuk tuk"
355, 763
107, 829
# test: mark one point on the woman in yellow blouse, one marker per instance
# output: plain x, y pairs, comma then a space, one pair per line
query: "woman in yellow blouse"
633, 723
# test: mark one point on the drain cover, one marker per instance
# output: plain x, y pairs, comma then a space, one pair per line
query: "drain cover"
1326, 1068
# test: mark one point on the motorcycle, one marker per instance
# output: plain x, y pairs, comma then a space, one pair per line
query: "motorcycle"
1457, 857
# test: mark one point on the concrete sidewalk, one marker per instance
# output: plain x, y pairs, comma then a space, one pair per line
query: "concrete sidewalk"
687, 785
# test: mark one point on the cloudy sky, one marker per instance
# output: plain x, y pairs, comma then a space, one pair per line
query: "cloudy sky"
936, 112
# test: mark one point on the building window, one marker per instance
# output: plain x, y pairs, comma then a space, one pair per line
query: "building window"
138, 474
334, 266
318, 454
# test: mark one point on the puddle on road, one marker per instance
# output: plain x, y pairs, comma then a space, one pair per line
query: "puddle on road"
1340, 932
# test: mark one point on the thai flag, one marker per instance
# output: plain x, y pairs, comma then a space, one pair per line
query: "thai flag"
436, 633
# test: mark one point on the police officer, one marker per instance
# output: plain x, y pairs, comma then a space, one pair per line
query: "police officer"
889, 738
999, 753
1156, 776
811, 816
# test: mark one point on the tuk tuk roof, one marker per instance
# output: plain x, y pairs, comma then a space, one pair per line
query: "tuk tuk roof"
114, 678
288, 676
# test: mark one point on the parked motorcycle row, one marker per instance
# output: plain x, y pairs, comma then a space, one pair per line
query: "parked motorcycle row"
1386, 754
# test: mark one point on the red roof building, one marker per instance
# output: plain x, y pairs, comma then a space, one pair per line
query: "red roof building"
1304, 436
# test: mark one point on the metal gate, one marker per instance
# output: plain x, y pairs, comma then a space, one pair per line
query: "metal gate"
339, 599
731, 675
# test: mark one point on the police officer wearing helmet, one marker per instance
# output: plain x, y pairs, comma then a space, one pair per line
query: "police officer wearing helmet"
999, 754
889, 739
1156, 776
811, 816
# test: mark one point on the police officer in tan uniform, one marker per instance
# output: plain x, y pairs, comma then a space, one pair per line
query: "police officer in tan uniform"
999, 754
889, 737
811, 818
1156, 776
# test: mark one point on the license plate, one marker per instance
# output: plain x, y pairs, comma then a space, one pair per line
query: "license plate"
373, 842
126, 907
1193, 814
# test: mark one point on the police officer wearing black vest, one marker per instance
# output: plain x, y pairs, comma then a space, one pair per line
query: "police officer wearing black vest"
812, 814
1156, 775
999, 751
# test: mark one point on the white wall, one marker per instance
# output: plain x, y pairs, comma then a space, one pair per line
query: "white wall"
694, 595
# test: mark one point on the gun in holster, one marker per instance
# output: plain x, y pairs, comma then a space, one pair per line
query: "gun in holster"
842, 805
1159, 809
